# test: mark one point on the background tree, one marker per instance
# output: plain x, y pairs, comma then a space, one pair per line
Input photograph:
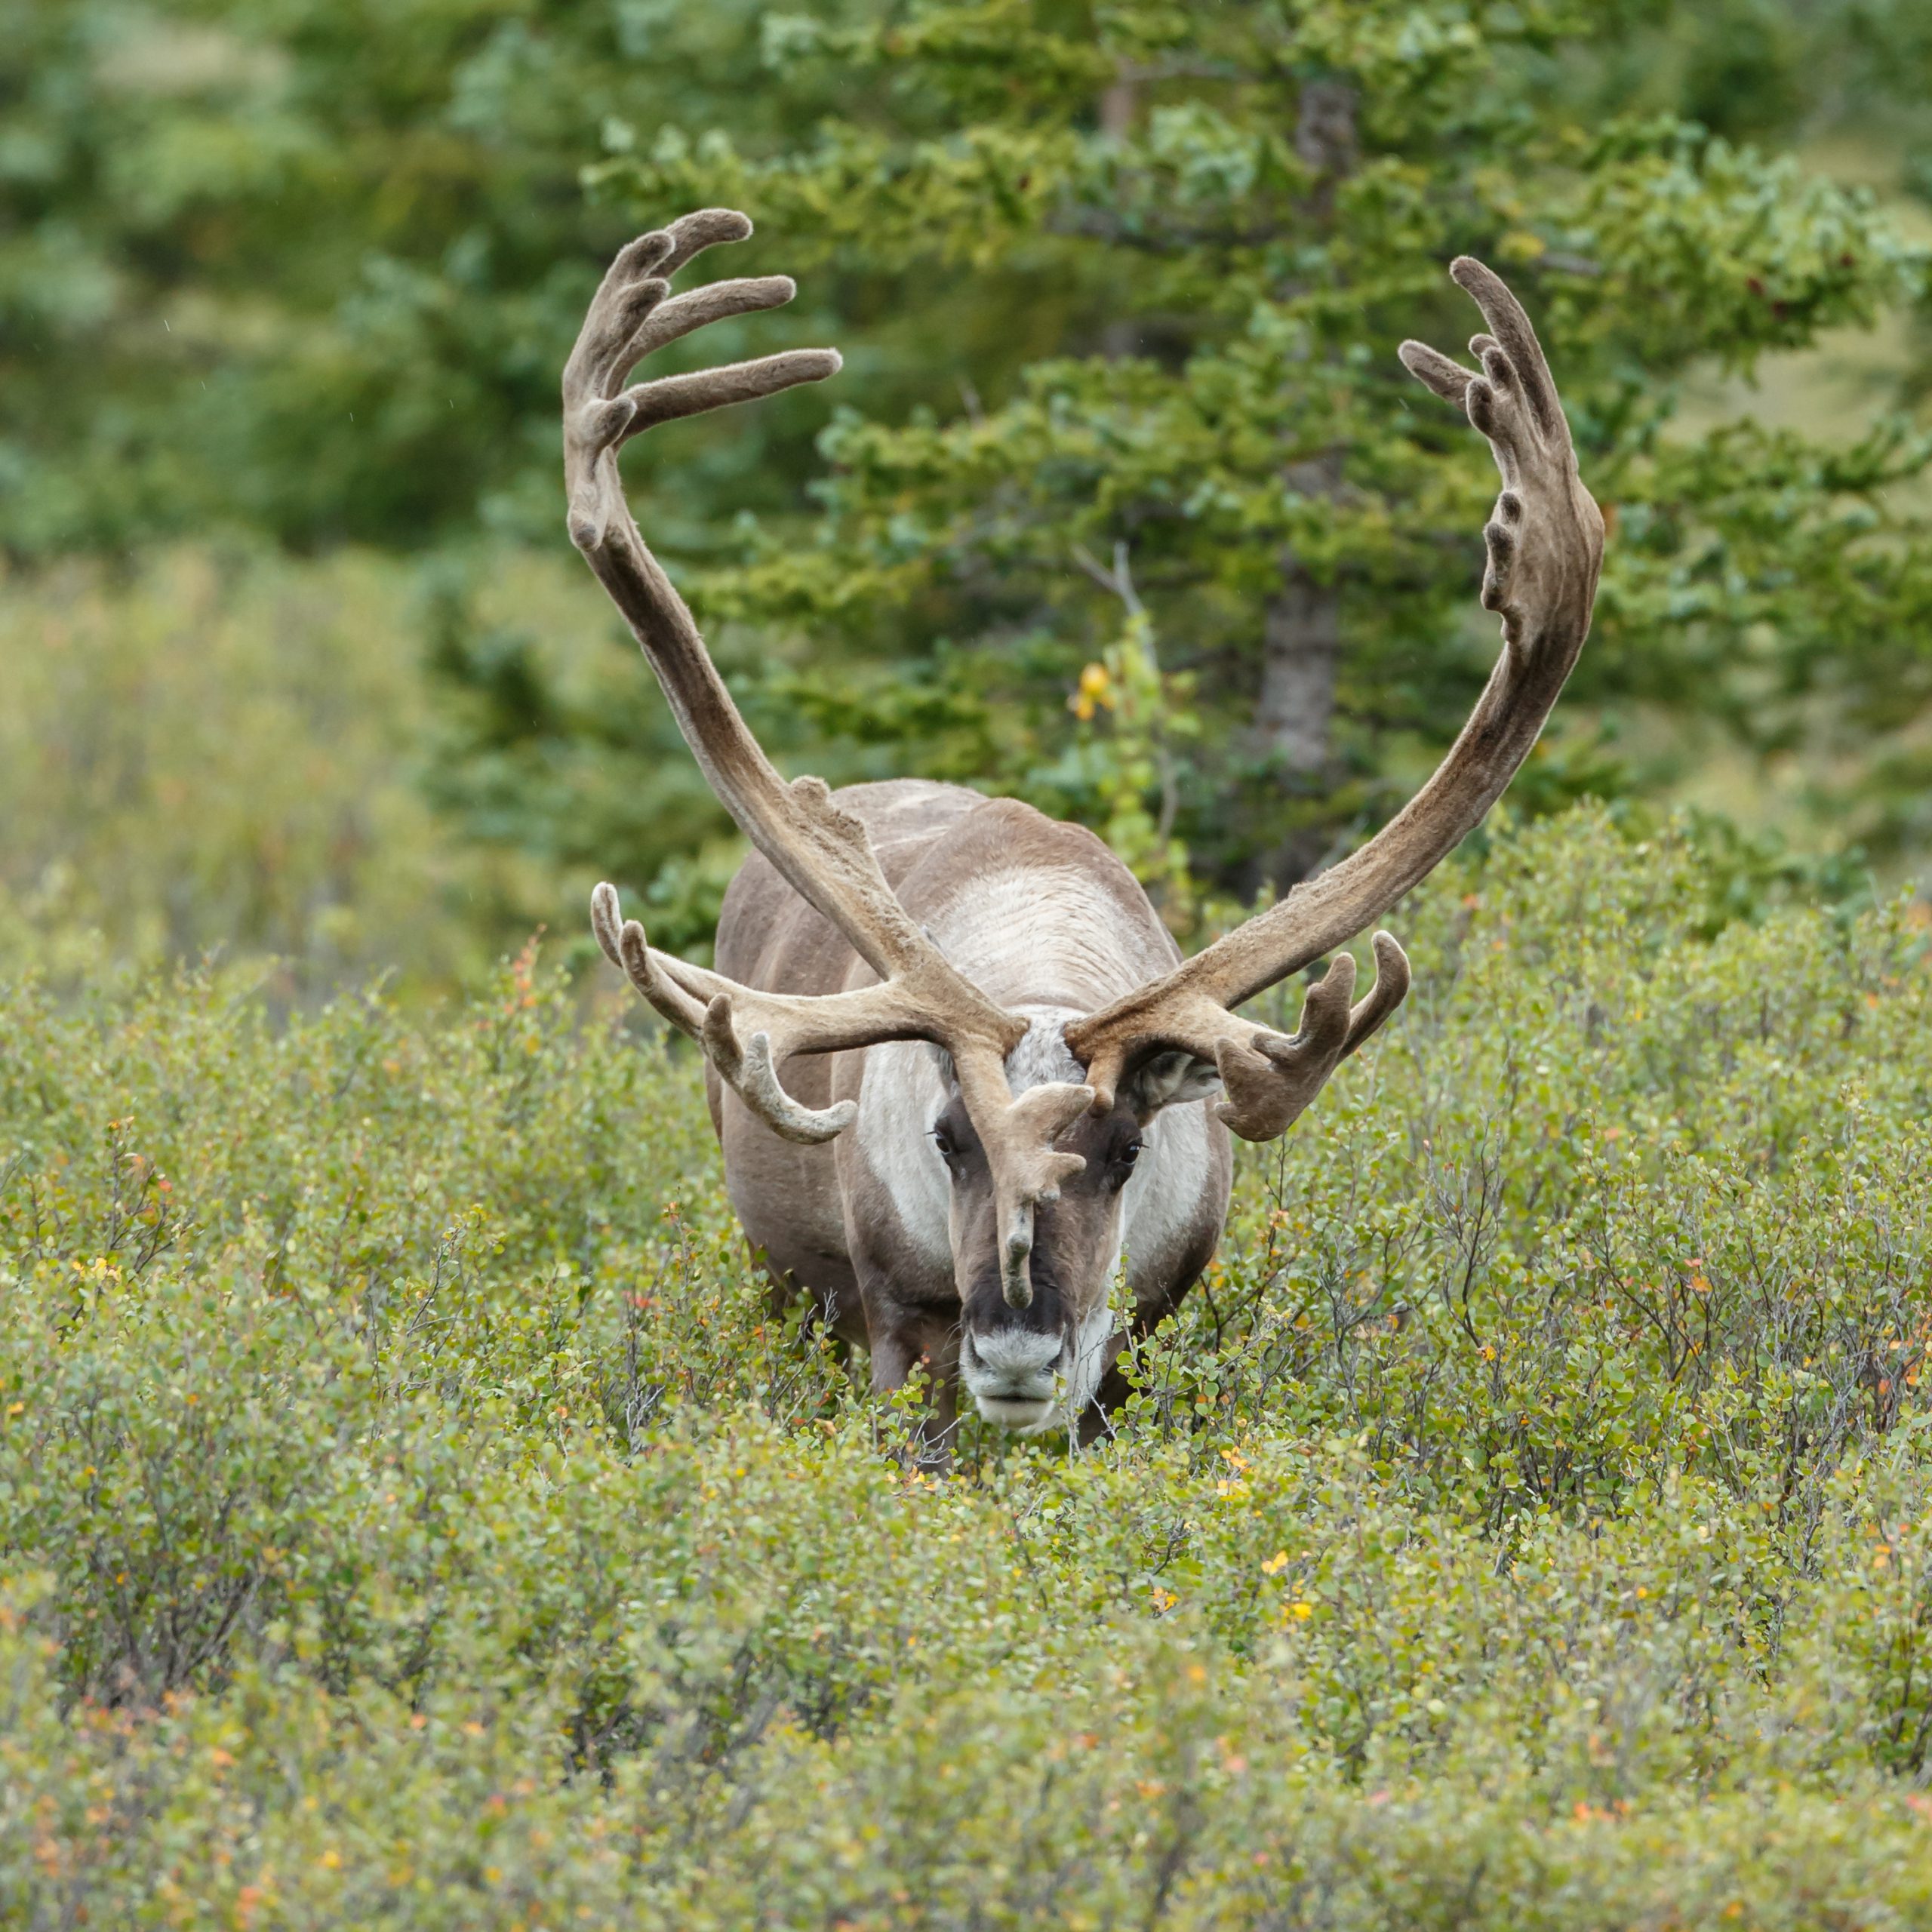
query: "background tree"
1125, 505
1241, 212
302, 265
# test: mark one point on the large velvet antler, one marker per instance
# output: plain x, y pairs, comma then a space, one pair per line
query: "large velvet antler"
822, 851
1545, 544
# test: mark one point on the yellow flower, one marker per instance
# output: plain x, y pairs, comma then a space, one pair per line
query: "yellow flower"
1301, 1612
1275, 1564
1096, 688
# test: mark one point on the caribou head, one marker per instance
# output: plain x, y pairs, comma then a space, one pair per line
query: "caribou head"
1064, 1051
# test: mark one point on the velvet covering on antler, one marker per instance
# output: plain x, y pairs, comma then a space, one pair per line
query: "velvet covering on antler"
822, 851
1544, 545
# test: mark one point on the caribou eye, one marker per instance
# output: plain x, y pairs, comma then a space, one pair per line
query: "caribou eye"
944, 1142
1125, 1160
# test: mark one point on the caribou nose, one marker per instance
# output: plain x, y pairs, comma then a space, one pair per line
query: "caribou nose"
1010, 1373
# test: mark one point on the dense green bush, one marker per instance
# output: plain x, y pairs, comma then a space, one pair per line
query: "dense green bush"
418, 1515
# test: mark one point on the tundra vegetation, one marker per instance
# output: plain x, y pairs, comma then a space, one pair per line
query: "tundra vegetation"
417, 1516
413, 1510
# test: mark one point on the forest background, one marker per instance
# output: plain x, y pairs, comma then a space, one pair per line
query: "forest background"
1121, 503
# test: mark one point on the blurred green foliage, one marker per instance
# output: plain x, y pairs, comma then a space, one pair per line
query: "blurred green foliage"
310, 266
220, 753
419, 1516
1120, 275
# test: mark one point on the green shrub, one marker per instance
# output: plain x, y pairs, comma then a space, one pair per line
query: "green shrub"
218, 751
419, 1514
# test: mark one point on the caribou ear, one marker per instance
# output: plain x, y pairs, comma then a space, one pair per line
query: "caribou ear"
1167, 1079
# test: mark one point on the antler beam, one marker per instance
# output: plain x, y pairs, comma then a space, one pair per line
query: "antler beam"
822, 851
1544, 546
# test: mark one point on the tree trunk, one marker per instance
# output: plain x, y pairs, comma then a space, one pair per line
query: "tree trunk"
1325, 136
1301, 630
1121, 335
1301, 649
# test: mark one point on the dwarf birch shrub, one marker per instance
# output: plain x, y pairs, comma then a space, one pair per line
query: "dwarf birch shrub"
418, 1512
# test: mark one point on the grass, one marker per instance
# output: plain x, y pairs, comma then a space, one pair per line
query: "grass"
416, 1515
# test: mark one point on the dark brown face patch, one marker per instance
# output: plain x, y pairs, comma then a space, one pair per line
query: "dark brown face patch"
1076, 1237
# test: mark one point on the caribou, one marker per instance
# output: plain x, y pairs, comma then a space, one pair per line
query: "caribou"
960, 1071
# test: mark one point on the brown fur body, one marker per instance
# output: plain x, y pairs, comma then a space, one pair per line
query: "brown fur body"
989, 879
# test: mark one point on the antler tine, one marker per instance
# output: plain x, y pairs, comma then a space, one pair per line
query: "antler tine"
691, 234
1513, 337
671, 397
667, 321
624, 946
1544, 550
718, 1012
821, 850
1391, 988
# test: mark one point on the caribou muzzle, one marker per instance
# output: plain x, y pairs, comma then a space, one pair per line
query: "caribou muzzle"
1014, 1374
